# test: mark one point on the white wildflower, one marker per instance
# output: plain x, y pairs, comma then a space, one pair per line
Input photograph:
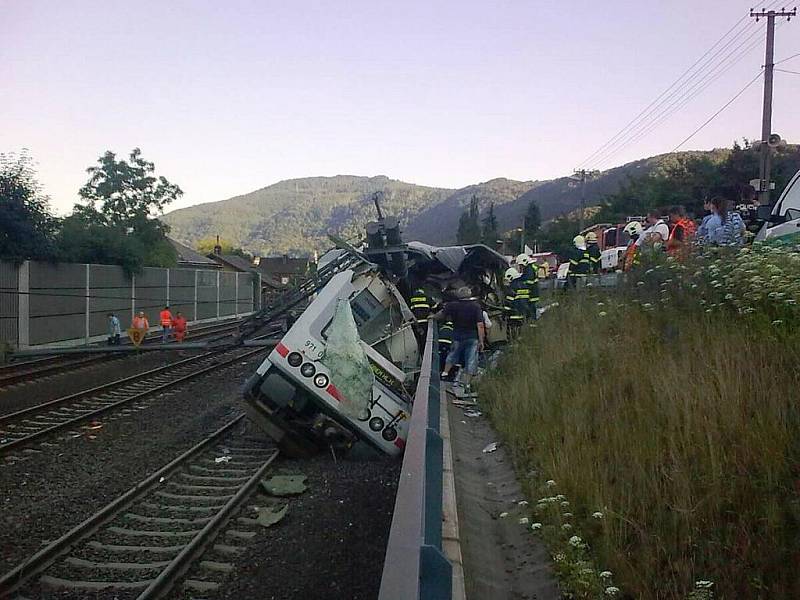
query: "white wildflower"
567, 515
576, 541
566, 527
503, 515
605, 574
778, 322
522, 503
536, 526
602, 313
612, 591
597, 515
550, 483
703, 584
564, 504
524, 521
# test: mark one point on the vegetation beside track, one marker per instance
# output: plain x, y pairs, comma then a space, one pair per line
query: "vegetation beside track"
658, 428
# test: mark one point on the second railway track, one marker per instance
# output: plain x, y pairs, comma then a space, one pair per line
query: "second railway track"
33, 424
144, 542
33, 370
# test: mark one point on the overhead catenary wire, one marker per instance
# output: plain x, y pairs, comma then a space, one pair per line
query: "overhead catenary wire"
690, 95
787, 71
724, 106
676, 101
666, 91
703, 68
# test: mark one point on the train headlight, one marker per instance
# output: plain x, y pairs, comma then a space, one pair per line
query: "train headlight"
294, 359
321, 380
308, 370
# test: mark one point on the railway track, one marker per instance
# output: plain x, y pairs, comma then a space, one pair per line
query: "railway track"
144, 542
33, 424
31, 370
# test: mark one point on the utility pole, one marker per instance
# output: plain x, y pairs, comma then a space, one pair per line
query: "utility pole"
766, 118
580, 176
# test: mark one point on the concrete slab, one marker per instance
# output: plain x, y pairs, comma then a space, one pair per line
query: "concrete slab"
501, 558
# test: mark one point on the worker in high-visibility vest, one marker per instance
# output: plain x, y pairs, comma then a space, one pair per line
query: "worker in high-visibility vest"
530, 275
140, 322
166, 324
594, 252
514, 307
179, 326
579, 262
420, 306
445, 342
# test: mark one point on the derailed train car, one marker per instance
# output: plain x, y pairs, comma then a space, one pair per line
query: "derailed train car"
346, 370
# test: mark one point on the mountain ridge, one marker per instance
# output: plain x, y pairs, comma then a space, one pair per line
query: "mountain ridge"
295, 216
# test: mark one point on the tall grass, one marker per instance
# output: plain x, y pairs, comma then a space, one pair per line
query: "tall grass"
681, 426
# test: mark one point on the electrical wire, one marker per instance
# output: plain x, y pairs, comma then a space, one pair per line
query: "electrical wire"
674, 83
705, 70
787, 71
788, 57
682, 101
724, 106
675, 103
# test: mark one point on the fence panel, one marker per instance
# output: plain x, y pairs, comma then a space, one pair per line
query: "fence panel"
244, 302
57, 302
110, 291
9, 303
181, 292
227, 293
151, 293
206, 294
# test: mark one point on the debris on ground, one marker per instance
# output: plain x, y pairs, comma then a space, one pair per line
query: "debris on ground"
222, 459
269, 515
490, 448
285, 485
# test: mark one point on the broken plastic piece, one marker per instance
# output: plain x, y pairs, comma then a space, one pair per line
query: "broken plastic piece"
347, 361
269, 515
222, 459
285, 485
490, 448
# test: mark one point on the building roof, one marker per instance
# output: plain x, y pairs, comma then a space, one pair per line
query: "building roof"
283, 265
235, 261
190, 258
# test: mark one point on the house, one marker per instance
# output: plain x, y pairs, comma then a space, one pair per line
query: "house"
190, 259
283, 271
233, 262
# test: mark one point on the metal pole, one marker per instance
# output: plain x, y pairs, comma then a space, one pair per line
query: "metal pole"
88, 305
765, 165
583, 199
766, 118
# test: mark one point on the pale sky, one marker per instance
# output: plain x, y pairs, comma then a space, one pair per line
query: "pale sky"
230, 96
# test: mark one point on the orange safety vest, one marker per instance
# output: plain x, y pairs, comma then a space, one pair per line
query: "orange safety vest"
630, 258
689, 230
179, 323
140, 322
166, 318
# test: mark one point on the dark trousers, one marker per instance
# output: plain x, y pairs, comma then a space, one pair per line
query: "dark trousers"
113, 340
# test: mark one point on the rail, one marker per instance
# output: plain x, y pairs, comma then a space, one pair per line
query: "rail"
415, 567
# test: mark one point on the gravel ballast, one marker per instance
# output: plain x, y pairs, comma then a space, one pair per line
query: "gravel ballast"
330, 544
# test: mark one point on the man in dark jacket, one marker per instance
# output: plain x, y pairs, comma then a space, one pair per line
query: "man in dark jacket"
469, 334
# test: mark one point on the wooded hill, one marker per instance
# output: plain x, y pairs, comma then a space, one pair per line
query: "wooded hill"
295, 216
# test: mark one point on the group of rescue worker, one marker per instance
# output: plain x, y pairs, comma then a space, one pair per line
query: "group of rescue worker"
521, 303
170, 325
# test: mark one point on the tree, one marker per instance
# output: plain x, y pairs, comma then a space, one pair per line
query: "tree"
469, 224
117, 224
125, 190
206, 246
27, 228
533, 220
489, 230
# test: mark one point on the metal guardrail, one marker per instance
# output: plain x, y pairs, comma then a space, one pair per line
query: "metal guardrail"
415, 567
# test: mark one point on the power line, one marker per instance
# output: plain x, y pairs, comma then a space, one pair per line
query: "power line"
674, 83
689, 95
787, 71
726, 105
788, 58
673, 98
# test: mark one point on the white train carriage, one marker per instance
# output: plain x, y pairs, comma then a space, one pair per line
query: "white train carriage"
296, 394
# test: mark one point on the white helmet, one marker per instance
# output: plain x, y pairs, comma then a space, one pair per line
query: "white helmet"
579, 241
510, 275
523, 260
633, 228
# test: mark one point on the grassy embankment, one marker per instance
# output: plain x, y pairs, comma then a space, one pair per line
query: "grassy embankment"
658, 429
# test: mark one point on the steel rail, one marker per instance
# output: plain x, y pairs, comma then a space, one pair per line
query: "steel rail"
61, 362
138, 396
42, 559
